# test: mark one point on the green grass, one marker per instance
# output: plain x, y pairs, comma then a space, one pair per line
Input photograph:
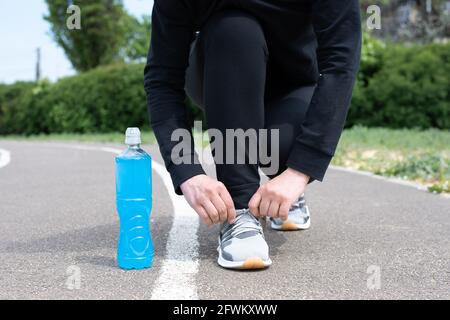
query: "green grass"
147, 136
422, 156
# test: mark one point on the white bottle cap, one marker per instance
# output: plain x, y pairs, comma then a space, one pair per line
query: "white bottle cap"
133, 136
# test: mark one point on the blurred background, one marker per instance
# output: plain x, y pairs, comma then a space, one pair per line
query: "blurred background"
87, 85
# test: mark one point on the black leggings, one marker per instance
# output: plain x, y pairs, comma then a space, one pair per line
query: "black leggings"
230, 79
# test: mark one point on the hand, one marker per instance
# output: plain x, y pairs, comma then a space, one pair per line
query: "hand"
275, 198
210, 199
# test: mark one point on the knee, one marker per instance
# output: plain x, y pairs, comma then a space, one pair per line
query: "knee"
235, 30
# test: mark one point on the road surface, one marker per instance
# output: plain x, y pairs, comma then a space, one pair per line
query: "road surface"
370, 238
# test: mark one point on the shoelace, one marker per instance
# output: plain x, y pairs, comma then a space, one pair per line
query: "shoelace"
297, 205
244, 222
300, 203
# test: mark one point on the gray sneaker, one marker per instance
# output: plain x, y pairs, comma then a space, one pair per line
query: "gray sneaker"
242, 244
298, 218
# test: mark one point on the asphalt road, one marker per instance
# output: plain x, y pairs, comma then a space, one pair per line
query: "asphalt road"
58, 221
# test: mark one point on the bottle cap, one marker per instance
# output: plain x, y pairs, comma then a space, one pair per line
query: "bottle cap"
133, 136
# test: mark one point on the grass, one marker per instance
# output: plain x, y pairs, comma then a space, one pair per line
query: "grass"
147, 136
422, 156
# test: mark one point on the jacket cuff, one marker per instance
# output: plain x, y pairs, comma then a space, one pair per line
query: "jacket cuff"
309, 161
182, 172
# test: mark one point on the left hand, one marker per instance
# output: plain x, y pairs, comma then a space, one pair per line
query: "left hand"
275, 198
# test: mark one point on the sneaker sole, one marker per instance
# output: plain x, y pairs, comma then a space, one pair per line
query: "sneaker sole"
253, 263
290, 226
249, 264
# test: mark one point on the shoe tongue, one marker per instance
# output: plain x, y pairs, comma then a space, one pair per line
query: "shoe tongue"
245, 222
241, 212
246, 215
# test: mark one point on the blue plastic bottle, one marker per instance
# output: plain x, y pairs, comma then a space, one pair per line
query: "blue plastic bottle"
134, 204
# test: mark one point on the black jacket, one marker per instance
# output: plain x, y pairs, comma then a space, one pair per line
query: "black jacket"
317, 41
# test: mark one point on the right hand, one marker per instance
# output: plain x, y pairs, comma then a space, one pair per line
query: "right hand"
210, 199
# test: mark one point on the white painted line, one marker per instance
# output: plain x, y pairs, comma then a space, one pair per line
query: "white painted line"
180, 265
177, 278
5, 158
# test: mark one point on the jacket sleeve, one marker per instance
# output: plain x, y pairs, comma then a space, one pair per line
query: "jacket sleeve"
164, 79
337, 26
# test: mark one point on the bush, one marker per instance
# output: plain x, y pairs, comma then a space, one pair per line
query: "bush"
11, 101
103, 100
405, 87
397, 86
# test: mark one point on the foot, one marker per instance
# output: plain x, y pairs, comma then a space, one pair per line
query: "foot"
298, 217
242, 244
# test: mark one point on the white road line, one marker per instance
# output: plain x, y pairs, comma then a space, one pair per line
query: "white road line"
180, 265
5, 158
177, 278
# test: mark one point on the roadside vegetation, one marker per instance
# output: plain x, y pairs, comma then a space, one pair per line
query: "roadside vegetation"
422, 156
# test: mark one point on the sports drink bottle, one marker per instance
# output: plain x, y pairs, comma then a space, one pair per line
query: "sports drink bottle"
134, 204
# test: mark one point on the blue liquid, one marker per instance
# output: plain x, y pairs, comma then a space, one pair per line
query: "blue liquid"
134, 204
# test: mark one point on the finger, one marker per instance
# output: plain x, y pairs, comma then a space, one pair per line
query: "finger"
254, 204
211, 211
203, 215
273, 209
264, 207
220, 207
231, 211
284, 210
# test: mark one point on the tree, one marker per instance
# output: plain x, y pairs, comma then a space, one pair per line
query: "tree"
137, 39
102, 33
413, 20
429, 21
